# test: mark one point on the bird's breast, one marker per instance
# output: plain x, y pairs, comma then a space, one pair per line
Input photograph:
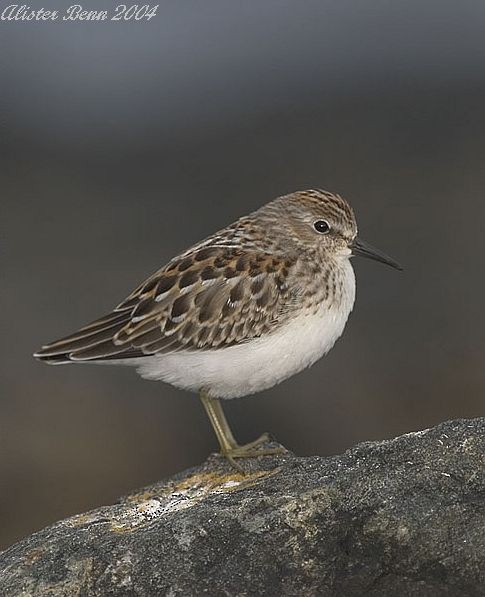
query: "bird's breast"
263, 362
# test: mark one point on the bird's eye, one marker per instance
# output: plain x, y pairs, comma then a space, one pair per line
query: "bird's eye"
322, 226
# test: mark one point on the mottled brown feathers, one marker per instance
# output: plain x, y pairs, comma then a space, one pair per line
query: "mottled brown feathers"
240, 283
197, 302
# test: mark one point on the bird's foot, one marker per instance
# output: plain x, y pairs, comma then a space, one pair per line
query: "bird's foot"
262, 439
251, 450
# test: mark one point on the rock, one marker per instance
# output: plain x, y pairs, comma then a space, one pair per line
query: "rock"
404, 517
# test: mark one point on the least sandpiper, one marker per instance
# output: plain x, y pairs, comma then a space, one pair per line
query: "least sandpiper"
239, 312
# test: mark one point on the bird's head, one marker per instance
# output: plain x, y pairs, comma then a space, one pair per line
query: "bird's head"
324, 222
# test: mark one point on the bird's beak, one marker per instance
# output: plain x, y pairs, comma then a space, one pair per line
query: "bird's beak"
359, 247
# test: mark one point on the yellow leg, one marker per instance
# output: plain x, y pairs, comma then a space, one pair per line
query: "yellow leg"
229, 446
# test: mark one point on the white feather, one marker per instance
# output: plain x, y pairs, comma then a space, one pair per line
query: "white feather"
260, 363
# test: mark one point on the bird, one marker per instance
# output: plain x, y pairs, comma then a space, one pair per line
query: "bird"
239, 312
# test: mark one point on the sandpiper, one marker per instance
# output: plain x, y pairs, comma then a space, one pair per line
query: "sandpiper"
239, 312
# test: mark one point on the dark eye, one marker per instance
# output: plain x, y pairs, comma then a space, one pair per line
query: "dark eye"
321, 226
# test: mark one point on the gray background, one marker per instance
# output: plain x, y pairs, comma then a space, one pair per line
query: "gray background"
123, 143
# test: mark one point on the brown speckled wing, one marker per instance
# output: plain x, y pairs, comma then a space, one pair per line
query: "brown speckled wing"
213, 297
210, 297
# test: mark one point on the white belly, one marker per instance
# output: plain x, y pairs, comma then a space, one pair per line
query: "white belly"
258, 364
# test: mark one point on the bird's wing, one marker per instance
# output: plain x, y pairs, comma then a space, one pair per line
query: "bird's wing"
212, 297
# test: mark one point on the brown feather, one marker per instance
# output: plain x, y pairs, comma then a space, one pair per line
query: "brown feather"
191, 304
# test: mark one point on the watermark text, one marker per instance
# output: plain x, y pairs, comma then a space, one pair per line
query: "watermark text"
76, 12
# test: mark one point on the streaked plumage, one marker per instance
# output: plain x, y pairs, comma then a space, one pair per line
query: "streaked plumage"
240, 311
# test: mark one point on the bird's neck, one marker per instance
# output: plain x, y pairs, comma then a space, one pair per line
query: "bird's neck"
331, 279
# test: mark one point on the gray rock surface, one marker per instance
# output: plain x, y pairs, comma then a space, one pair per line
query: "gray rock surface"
394, 518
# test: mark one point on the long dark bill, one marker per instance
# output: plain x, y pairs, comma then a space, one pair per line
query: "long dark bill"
359, 247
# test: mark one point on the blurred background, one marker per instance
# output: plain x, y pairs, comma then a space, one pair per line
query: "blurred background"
122, 143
